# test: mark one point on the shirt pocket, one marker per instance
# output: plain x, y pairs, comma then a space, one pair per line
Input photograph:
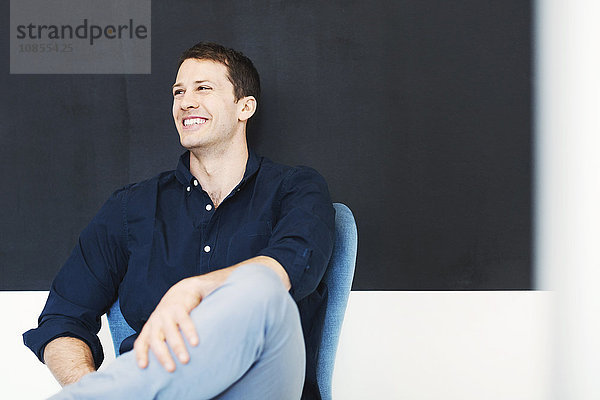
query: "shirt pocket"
248, 241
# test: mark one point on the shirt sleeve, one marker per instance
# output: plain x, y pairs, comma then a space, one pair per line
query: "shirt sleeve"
302, 239
87, 284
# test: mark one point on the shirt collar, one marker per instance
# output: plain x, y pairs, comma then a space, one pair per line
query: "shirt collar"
185, 177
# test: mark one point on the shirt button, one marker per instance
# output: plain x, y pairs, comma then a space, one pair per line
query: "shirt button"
208, 207
188, 188
206, 249
195, 182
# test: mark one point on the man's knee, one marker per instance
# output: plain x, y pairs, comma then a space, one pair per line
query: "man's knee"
258, 278
259, 286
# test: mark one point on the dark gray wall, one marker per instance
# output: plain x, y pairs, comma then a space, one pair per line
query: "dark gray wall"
417, 113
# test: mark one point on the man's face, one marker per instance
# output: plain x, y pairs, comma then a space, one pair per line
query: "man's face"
204, 106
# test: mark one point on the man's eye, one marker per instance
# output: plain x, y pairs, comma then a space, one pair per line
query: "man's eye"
204, 88
179, 91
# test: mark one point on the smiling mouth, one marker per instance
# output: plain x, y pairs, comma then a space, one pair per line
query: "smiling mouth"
193, 121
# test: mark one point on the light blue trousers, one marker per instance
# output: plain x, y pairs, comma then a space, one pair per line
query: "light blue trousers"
251, 347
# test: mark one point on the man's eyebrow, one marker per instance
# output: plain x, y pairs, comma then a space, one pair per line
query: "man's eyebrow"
195, 82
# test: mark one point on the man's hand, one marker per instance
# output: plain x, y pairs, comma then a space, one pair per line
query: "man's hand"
172, 314
164, 324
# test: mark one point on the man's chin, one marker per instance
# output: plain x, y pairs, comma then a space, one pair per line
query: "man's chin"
191, 143
191, 147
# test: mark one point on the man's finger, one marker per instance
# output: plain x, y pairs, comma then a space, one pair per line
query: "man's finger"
175, 341
140, 346
161, 351
188, 329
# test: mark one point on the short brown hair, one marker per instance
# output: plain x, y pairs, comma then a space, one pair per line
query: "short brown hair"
240, 70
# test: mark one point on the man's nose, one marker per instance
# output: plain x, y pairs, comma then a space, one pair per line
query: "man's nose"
188, 102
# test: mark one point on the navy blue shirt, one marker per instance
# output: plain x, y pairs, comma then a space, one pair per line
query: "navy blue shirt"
150, 235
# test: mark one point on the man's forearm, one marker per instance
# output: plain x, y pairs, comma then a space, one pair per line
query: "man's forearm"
69, 359
272, 264
212, 280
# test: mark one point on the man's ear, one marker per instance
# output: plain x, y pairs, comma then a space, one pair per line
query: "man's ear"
248, 106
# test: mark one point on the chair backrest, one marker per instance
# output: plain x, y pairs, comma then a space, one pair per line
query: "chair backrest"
119, 328
338, 278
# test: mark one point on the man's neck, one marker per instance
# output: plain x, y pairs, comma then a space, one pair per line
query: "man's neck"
219, 171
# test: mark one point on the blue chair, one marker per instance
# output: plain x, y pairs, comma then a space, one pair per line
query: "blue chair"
338, 278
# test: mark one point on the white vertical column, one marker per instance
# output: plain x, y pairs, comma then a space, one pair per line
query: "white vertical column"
568, 188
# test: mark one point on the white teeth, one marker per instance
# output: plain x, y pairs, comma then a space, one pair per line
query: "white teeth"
194, 121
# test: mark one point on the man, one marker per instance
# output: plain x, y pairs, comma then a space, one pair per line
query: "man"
217, 264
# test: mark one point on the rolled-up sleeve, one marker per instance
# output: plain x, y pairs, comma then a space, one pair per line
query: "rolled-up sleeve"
87, 284
302, 239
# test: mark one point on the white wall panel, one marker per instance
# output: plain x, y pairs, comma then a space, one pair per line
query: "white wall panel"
394, 345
